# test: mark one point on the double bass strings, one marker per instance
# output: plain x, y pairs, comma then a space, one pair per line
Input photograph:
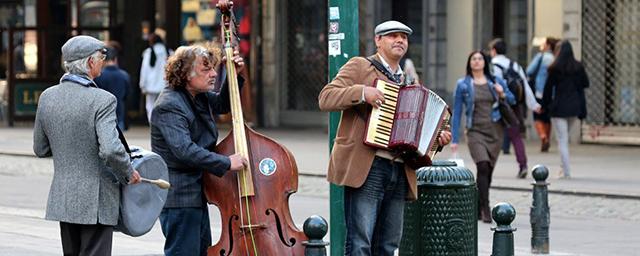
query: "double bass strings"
240, 136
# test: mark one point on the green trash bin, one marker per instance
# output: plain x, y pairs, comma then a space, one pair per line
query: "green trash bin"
443, 221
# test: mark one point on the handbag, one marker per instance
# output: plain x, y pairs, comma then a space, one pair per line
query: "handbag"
509, 118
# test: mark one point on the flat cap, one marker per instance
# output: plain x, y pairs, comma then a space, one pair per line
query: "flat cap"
392, 26
79, 47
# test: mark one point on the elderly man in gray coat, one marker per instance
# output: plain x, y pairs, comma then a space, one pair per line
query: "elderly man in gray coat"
76, 125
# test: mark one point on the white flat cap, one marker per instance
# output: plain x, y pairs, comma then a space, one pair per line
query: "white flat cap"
79, 47
392, 26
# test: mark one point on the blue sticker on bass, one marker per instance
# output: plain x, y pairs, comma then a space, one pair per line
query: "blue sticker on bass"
267, 166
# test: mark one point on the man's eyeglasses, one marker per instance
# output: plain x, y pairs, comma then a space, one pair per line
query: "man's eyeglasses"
103, 56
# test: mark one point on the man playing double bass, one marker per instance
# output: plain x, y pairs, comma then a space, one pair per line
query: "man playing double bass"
184, 133
376, 184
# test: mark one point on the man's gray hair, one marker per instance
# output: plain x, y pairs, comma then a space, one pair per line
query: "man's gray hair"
81, 66
198, 51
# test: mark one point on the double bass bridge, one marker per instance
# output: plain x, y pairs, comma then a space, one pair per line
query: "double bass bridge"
247, 228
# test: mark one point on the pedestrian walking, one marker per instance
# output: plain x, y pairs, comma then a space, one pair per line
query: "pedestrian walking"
376, 184
76, 125
116, 81
537, 73
515, 79
476, 95
564, 98
152, 80
184, 133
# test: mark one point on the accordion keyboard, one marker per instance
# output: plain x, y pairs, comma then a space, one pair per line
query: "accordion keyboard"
381, 119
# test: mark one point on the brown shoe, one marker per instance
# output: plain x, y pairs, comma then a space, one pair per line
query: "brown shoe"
544, 147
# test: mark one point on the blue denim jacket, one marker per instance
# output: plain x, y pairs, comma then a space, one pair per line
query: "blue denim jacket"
541, 76
464, 94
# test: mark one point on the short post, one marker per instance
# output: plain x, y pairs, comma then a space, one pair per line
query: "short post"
503, 214
315, 227
539, 214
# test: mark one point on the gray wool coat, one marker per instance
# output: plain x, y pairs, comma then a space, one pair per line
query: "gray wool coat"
76, 125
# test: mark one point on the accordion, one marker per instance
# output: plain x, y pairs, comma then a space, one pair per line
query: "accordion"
408, 123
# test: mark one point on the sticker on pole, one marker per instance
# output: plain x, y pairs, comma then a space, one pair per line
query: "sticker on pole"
267, 166
334, 27
334, 13
334, 47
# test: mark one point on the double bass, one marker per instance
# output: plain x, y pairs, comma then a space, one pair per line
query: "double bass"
253, 202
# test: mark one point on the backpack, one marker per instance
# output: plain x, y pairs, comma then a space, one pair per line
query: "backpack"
514, 81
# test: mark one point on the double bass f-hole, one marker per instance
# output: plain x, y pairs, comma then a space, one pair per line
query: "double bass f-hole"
253, 202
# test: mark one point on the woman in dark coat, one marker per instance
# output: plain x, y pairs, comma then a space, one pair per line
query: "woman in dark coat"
564, 98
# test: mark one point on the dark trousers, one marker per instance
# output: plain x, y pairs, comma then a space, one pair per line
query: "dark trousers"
79, 239
512, 136
374, 211
186, 231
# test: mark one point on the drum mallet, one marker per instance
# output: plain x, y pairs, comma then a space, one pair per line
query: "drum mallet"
163, 184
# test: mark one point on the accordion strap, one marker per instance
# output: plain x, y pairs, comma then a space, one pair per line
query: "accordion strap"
382, 69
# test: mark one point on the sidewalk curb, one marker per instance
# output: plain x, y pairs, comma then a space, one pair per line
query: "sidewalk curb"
14, 153
570, 192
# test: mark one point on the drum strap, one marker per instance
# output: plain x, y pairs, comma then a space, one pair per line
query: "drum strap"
124, 141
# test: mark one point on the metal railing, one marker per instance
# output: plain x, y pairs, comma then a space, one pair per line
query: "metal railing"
610, 53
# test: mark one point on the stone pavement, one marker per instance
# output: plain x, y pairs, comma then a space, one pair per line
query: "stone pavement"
580, 225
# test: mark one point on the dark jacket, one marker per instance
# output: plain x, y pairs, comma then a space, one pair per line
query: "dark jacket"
564, 94
117, 82
186, 140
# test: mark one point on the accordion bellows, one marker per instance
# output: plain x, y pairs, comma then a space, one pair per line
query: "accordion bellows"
409, 121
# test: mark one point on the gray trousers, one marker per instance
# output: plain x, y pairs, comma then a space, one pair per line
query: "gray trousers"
561, 126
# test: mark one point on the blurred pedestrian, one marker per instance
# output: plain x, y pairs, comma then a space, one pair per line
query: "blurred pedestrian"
152, 80
537, 73
116, 81
514, 77
411, 74
564, 99
476, 95
76, 125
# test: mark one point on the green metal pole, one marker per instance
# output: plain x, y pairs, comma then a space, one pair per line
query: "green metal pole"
343, 44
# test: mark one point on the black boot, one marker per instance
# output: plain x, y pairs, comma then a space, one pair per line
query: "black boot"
483, 183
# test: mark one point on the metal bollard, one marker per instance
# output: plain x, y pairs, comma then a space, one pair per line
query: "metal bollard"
539, 214
315, 227
503, 214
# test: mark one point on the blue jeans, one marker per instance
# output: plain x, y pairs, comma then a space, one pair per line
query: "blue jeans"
186, 231
374, 211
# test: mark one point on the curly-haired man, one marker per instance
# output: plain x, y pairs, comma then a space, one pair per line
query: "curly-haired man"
184, 133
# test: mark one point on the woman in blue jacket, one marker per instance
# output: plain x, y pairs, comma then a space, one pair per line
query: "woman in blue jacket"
478, 93
537, 70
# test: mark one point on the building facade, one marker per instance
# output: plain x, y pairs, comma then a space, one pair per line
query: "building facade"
285, 44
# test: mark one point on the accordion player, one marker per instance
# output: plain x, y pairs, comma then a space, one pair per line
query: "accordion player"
408, 123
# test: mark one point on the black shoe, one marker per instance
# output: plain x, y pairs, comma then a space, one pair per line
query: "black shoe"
485, 214
506, 152
522, 173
